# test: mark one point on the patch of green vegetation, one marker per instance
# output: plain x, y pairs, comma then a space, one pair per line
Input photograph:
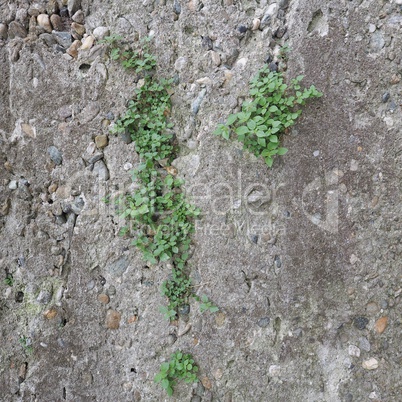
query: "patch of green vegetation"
273, 107
180, 367
26, 344
138, 60
206, 304
9, 280
157, 214
178, 290
284, 51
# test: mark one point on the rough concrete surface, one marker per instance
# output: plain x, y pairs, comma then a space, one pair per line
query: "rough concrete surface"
303, 259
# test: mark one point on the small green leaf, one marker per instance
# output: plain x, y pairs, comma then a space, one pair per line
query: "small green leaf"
231, 119
282, 151
164, 257
269, 161
251, 125
242, 130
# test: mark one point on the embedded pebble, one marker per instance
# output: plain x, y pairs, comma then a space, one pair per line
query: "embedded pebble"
271, 13
385, 97
220, 319
78, 17
89, 112
192, 144
48, 39
13, 185
263, 322
354, 351
364, 344
52, 7
354, 165
112, 290
180, 64
55, 155
256, 24
3, 31
395, 79
195, 106
377, 41
101, 32
44, 21
278, 261
73, 6
50, 314
56, 22
78, 28
216, 59
132, 319
274, 370
101, 141
316, 153
204, 81
370, 364
16, 30
360, 322
118, 267
62, 38
242, 29
87, 42
101, 170
372, 308
381, 324
206, 382
372, 28
384, 304
55, 250
73, 49
176, 7
22, 372
44, 297
5, 207
113, 318
104, 298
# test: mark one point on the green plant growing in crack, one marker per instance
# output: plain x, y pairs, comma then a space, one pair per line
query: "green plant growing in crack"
206, 304
139, 60
181, 366
9, 280
26, 344
157, 215
273, 107
284, 52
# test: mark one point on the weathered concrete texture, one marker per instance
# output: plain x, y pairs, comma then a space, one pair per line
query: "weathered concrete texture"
302, 259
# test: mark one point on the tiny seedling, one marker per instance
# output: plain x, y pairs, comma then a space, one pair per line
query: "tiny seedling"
284, 52
9, 280
181, 366
206, 304
177, 289
26, 344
